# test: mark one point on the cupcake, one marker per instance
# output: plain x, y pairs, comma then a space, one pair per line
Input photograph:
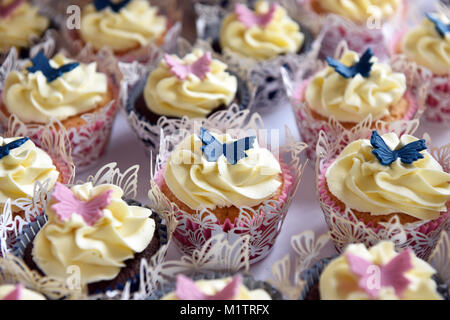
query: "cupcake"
428, 45
77, 95
194, 180
127, 28
260, 34
259, 37
387, 178
194, 85
20, 22
377, 273
352, 90
215, 183
115, 237
22, 165
18, 292
219, 288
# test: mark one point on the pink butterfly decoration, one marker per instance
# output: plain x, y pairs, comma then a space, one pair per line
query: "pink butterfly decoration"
200, 67
5, 11
391, 274
188, 290
250, 19
68, 204
16, 294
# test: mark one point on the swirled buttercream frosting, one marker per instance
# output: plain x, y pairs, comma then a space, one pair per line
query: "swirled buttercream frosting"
362, 10
32, 98
21, 24
261, 42
352, 99
136, 25
202, 184
358, 179
425, 46
339, 281
22, 168
195, 97
99, 248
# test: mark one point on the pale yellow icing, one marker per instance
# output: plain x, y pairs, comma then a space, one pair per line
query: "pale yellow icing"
202, 184
167, 95
282, 35
353, 99
26, 294
338, 282
20, 25
359, 180
100, 250
428, 48
33, 99
22, 168
211, 287
361, 10
136, 25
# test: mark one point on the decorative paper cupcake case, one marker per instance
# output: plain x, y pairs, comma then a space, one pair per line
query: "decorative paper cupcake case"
22, 234
294, 275
264, 224
135, 77
264, 74
71, 41
345, 228
336, 29
89, 141
309, 127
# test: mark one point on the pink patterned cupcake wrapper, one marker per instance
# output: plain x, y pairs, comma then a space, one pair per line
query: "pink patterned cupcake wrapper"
429, 230
265, 222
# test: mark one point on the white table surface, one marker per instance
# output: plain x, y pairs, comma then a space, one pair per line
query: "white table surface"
304, 213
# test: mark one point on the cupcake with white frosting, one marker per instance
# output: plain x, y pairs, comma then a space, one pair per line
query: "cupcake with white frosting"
194, 181
78, 95
20, 21
387, 178
350, 91
194, 86
375, 273
128, 28
428, 46
262, 33
115, 236
259, 37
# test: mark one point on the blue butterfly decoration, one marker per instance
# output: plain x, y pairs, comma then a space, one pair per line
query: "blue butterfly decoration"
4, 150
441, 27
42, 63
233, 151
116, 7
363, 66
407, 154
